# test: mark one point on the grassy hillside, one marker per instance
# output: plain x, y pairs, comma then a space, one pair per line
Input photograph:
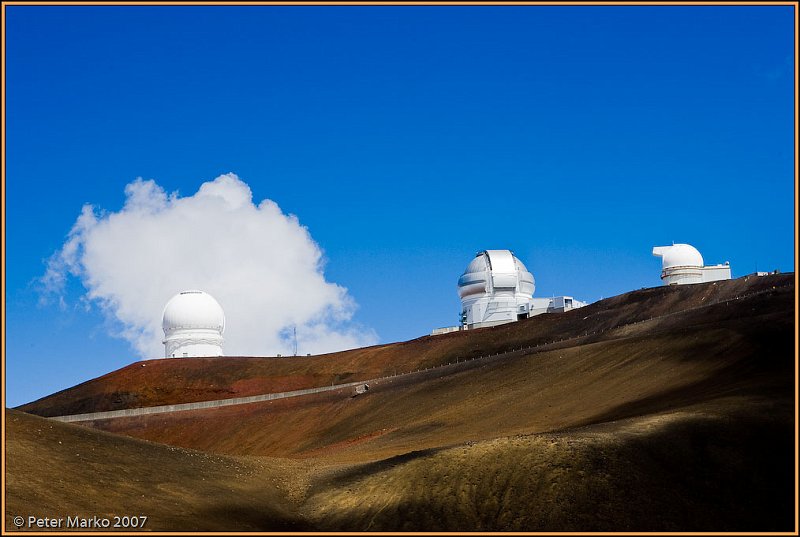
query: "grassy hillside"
683, 422
733, 350
690, 470
57, 469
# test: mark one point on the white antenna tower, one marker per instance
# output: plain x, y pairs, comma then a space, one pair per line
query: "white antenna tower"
294, 334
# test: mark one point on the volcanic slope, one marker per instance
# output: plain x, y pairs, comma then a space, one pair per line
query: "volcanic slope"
680, 422
182, 380
57, 470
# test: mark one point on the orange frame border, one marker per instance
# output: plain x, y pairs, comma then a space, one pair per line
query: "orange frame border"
393, 3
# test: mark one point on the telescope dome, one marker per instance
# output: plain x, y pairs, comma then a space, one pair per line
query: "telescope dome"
495, 288
678, 255
193, 323
193, 309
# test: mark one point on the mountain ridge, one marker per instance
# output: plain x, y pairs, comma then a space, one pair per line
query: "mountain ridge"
182, 380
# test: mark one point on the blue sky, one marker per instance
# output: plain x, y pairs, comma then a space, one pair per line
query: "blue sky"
405, 139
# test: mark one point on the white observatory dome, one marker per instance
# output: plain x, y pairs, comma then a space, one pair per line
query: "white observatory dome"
193, 323
678, 255
680, 264
495, 288
495, 270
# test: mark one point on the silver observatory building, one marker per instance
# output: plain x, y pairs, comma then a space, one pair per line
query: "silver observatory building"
496, 288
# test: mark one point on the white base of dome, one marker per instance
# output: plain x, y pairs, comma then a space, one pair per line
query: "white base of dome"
193, 344
195, 350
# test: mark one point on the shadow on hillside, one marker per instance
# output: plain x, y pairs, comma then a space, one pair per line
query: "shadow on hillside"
738, 379
345, 477
700, 474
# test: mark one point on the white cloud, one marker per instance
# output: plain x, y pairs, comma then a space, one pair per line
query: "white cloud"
260, 264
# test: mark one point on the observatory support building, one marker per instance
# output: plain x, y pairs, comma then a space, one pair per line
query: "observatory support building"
193, 323
682, 264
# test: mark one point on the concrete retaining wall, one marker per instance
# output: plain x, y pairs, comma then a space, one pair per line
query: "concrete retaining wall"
200, 404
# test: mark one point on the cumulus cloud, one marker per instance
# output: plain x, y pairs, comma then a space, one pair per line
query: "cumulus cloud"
260, 264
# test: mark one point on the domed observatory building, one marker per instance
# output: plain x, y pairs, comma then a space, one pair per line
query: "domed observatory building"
495, 288
193, 323
682, 264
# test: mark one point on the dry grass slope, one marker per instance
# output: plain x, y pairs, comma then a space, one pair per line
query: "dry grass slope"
58, 469
683, 422
684, 471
